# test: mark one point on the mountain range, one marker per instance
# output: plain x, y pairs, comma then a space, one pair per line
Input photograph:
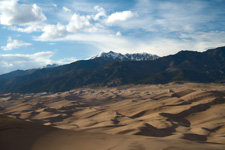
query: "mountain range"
127, 57
112, 69
98, 60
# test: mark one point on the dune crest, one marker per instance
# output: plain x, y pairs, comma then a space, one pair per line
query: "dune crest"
130, 117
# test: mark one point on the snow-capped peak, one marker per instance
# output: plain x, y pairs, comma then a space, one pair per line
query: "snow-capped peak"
111, 54
126, 57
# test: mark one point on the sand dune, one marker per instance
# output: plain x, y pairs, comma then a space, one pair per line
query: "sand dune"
172, 116
20, 135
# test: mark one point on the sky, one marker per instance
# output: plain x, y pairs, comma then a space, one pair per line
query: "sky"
35, 33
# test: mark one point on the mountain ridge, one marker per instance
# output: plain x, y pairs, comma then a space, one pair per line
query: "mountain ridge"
126, 57
190, 66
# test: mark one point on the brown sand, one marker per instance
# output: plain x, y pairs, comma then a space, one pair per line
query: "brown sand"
20, 135
156, 117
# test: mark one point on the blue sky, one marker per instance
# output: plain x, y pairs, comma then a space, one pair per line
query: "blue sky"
36, 33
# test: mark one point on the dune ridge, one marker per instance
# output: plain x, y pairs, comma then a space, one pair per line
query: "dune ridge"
21, 135
186, 113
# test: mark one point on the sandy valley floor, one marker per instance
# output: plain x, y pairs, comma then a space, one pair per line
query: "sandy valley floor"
133, 117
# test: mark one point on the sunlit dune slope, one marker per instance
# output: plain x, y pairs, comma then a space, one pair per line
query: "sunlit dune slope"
20, 135
183, 113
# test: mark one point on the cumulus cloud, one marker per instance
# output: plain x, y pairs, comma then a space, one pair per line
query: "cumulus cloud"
78, 22
13, 44
53, 32
81, 23
101, 13
96, 22
153, 20
120, 16
162, 27
159, 27
11, 12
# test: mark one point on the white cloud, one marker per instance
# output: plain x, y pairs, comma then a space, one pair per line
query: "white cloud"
199, 41
66, 9
159, 45
13, 44
10, 39
82, 23
82, 6
78, 22
11, 62
213, 36
203, 40
101, 13
120, 16
151, 26
105, 41
99, 9
118, 34
11, 12
52, 32
171, 16
55, 5
6, 64
29, 29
